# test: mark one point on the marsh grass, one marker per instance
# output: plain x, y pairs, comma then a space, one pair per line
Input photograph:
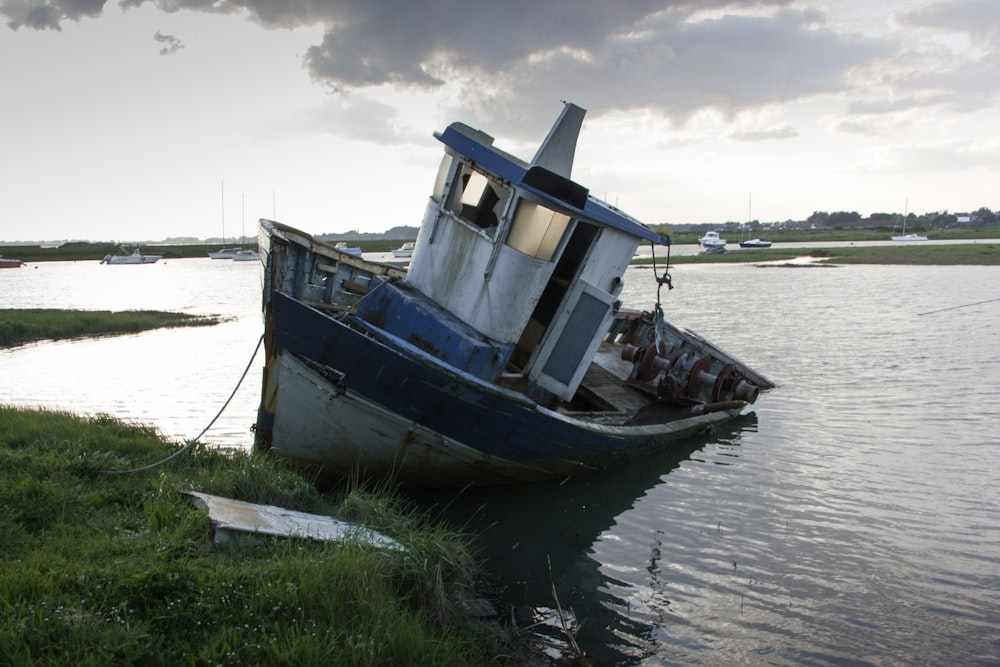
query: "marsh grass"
101, 568
25, 325
914, 254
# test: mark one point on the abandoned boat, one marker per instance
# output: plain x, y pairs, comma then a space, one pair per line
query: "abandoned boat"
501, 354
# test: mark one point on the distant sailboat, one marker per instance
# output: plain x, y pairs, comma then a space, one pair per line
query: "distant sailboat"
752, 243
904, 236
236, 253
224, 253
244, 254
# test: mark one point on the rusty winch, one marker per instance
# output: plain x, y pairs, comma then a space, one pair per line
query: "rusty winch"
687, 376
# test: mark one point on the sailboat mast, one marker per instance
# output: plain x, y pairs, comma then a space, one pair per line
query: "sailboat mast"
222, 203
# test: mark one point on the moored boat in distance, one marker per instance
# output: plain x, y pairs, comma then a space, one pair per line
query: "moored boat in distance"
9, 263
135, 257
502, 354
405, 250
245, 255
224, 253
712, 240
904, 236
755, 243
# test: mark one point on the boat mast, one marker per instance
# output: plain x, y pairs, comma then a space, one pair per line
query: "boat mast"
222, 204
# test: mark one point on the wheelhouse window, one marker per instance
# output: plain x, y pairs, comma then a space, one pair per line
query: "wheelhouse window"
537, 230
477, 200
442, 177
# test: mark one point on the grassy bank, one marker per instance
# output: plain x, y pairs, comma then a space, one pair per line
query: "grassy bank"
840, 235
96, 251
26, 325
74, 252
100, 568
971, 253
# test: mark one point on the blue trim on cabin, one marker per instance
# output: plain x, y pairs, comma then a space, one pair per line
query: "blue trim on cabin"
492, 420
408, 315
500, 165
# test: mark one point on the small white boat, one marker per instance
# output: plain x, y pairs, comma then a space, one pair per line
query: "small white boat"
135, 258
904, 236
245, 255
9, 263
712, 240
405, 250
224, 253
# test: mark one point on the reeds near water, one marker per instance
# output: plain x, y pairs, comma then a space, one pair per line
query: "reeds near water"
100, 568
26, 325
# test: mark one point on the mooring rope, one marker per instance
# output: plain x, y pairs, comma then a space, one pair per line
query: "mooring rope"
964, 305
191, 442
665, 279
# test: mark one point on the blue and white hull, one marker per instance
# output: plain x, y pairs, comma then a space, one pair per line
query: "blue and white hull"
501, 354
345, 403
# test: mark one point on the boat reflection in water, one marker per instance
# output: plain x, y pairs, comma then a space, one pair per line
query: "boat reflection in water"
543, 539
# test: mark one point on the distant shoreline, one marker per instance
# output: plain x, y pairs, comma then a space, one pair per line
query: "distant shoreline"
972, 252
985, 254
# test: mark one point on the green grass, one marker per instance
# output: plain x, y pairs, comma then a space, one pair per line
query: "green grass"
971, 253
821, 235
100, 568
75, 252
20, 326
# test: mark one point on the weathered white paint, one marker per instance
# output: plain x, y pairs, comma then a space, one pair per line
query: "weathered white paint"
237, 517
451, 270
313, 424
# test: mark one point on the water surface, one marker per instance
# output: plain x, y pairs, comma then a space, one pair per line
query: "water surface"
852, 518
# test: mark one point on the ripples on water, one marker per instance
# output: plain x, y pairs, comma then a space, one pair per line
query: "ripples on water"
854, 518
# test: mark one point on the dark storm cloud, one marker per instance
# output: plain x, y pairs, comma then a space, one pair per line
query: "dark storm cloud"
48, 14
670, 57
728, 64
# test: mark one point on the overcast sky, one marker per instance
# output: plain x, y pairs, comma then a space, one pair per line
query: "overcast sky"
143, 120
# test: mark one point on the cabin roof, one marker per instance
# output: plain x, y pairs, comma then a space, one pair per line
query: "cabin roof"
511, 169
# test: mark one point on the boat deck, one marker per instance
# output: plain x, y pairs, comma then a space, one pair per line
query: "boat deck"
604, 382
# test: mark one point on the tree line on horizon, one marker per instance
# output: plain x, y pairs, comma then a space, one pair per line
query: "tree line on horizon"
983, 217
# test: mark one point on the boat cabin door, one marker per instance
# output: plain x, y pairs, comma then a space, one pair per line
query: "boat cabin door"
567, 324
